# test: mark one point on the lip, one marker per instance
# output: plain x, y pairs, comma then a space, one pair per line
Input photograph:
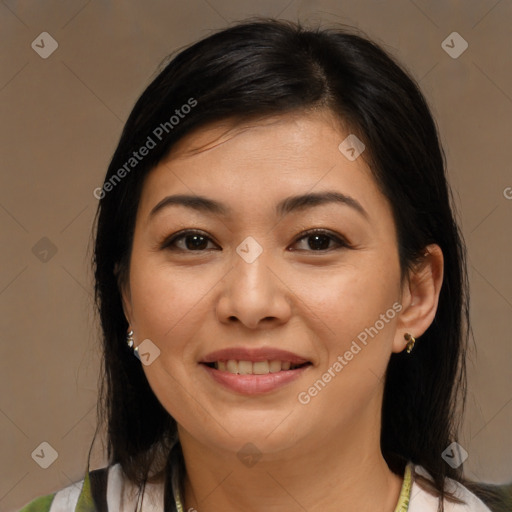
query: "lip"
254, 384
254, 355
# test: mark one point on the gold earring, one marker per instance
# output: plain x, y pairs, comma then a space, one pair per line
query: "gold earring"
410, 342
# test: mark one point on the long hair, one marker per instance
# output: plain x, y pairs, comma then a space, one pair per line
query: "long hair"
269, 67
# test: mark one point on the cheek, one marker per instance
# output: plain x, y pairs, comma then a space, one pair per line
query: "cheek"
169, 309
345, 302
351, 314
168, 305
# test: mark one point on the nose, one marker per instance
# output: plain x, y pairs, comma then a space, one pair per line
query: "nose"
254, 295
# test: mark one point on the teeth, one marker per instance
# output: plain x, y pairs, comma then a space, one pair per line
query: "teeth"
244, 367
232, 366
256, 368
260, 368
275, 366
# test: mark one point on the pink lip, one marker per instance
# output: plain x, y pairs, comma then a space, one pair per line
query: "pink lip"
253, 354
254, 384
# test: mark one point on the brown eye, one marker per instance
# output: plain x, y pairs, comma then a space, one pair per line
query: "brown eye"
319, 240
188, 241
195, 242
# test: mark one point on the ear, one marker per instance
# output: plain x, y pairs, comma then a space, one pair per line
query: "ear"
123, 284
420, 296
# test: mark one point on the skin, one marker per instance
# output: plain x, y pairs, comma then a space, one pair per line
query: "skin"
324, 455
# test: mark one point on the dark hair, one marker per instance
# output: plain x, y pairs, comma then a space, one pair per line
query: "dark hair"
269, 67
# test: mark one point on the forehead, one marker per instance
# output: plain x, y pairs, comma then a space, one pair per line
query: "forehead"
288, 125
262, 159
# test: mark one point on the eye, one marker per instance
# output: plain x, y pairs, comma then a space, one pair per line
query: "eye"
188, 241
318, 240
315, 240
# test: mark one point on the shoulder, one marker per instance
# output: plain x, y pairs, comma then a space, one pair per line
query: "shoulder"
64, 500
105, 489
422, 501
41, 504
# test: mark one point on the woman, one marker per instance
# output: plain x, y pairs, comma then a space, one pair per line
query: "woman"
274, 233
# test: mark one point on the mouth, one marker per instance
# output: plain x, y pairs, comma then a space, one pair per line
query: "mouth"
246, 367
254, 371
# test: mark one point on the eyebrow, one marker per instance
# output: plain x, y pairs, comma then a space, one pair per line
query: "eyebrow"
284, 207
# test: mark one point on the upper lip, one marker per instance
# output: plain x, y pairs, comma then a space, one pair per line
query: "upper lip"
253, 354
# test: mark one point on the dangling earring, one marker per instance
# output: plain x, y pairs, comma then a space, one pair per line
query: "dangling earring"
410, 342
129, 342
129, 339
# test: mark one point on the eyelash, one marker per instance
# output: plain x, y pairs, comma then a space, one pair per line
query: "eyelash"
340, 241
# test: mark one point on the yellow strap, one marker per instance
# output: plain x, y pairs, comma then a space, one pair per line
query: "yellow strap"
405, 493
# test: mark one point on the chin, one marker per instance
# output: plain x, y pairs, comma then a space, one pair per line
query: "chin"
266, 435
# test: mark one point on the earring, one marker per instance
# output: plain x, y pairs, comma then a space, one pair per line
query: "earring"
410, 342
129, 338
129, 342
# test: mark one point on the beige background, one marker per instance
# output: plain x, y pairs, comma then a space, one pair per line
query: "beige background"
60, 120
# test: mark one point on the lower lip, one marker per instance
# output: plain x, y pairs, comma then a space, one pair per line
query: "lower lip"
255, 384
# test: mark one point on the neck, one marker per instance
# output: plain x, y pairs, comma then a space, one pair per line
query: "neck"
345, 471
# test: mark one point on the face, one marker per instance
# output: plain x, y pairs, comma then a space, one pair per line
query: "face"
265, 275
